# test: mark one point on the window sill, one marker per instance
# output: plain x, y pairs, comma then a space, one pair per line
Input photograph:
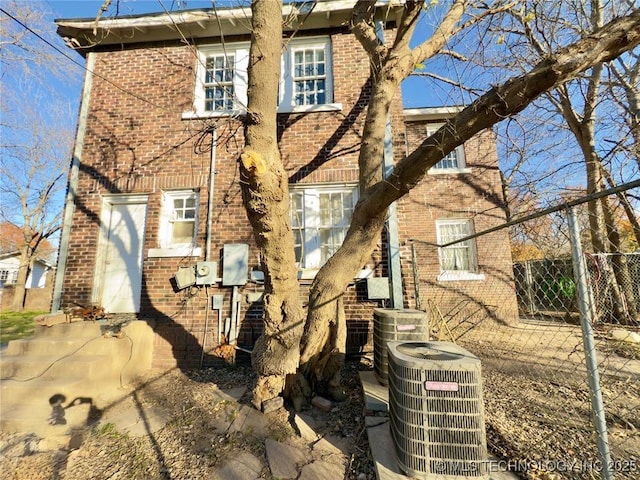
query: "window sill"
174, 252
310, 274
447, 171
457, 276
327, 107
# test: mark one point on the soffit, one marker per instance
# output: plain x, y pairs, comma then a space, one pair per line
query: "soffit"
84, 34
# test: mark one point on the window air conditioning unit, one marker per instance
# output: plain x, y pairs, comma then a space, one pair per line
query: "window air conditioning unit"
391, 324
436, 412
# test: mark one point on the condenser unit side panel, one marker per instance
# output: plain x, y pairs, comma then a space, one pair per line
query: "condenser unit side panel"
436, 414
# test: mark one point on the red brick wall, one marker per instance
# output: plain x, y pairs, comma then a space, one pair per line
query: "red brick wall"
137, 142
478, 196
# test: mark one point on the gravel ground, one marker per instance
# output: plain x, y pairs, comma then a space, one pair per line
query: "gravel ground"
532, 417
189, 446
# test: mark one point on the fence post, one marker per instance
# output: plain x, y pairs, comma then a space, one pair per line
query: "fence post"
529, 283
580, 273
416, 277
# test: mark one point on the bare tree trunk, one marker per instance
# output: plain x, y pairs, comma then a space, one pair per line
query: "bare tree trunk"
626, 312
265, 195
20, 290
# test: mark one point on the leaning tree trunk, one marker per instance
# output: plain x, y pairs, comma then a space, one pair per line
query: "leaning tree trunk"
265, 195
323, 346
20, 290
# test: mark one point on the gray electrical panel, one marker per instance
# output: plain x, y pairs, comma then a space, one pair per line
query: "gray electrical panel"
378, 288
235, 264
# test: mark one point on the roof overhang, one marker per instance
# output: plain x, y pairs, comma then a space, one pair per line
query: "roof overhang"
431, 113
85, 33
16, 253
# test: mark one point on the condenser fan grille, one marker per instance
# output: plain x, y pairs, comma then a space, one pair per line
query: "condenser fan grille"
436, 410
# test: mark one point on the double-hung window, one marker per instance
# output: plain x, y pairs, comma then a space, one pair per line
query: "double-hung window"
178, 225
453, 162
306, 80
320, 218
459, 260
221, 80
309, 75
219, 91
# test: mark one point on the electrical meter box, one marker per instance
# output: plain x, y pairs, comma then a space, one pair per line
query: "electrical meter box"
206, 273
235, 264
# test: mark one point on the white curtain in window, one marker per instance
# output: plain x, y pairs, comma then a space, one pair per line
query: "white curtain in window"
455, 257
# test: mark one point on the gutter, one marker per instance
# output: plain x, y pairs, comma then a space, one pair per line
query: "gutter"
69, 204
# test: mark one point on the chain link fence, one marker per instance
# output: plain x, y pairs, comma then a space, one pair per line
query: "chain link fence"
562, 378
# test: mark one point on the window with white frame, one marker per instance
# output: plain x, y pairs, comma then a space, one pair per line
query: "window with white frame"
219, 91
309, 75
179, 219
459, 260
8, 277
305, 83
320, 218
221, 79
453, 162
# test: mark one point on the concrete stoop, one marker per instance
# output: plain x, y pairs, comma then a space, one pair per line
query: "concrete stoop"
51, 383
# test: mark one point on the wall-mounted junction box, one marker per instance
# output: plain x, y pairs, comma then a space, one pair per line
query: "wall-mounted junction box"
378, 288
235, 264
206, 273
185, 277
217, 302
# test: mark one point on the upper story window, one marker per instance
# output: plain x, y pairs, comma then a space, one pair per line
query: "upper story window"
320, 218
453, 162
458, 261
306, 80
219, 91
221, 79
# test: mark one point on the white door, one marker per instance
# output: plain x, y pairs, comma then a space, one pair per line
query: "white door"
119, 281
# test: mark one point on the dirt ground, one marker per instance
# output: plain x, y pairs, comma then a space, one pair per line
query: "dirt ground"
537, 411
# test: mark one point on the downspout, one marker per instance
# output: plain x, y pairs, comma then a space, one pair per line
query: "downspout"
212, 174
207, 251
69, 203
393, 242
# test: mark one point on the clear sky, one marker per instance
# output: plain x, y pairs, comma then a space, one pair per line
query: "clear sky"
89, 8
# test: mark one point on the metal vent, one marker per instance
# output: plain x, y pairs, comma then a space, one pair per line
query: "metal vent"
436, 411
392, 324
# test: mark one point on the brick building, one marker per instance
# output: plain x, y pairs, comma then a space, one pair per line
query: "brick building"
154, 193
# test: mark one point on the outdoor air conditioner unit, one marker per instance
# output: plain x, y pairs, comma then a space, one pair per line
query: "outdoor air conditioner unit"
390, 324
436, 413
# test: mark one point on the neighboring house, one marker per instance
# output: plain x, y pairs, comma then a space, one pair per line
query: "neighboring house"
39, 284
152, 195
10, 263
